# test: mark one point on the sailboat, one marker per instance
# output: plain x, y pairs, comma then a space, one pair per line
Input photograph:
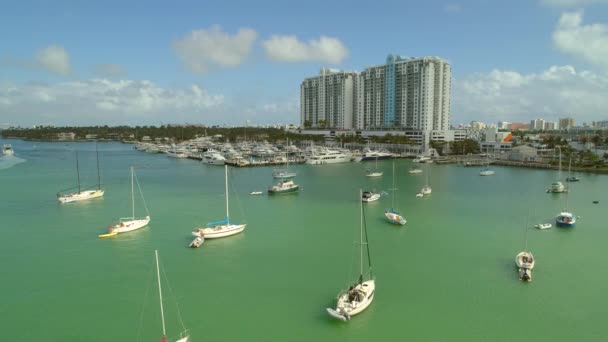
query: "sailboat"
284, 173
426, 189
525, 261
82, 195
565, 218
183, 336
375, 173
221, 228
360, 294
128, 224
558, 186
392, 215
571, 178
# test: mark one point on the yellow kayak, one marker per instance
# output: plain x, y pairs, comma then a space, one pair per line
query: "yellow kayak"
108, 235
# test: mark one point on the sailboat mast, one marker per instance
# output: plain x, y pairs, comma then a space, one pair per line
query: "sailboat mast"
160, 293
361, 236
98, 177
394, 189
132, 195
77, 172
227, 207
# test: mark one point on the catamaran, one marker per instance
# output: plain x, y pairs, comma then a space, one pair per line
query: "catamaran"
392, 215
81, 195
361, 293
184, 337
128, 224
223, 228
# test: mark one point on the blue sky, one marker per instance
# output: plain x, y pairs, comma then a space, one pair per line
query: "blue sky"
224, 62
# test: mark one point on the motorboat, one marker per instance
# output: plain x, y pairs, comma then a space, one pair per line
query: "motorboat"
525, 264
557, 187
414, 171
565, 219
369, 196
486, 172
256, 193
212, 157
197, 242
284, 187
572, 179
422, 159
543, 225
329, 156
7, 150
374, 174
374, 155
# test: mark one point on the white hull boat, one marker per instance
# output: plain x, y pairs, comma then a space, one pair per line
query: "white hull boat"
394, 217
197, 242
184, 337
7, 150
414, 171
213, 158
486, 173
222, 228
374, 174
369, 196
525, 264
543, 225
80, 196
426, 190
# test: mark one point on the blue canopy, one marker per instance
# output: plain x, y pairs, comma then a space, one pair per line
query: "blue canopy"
217, 223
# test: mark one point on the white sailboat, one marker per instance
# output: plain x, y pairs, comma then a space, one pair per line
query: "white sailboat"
360, 294
184, 337
566, 218
374, 173
392, 215
426, 189
128, 224
284, 173
525, 260
7, 150
558, 186
221, 228
81, 195
571, 178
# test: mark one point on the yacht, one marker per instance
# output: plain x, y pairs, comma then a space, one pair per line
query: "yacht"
329, 156
374, 155
177, 152
7, 150
422, 159
212, 157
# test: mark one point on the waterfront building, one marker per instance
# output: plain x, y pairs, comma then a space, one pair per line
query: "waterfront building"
327, 100
566, 123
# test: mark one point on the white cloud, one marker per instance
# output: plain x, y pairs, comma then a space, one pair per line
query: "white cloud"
290, 49
54, 59
109, 71
203, 50
100, 101
511, 96
572, 3
588, 42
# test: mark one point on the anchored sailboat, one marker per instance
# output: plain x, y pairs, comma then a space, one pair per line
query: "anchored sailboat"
128, 224
525, 260
81, 195
284, 173
426, 189
566, 218
221, 228
375, 173
183, 336
360, 294
392, 215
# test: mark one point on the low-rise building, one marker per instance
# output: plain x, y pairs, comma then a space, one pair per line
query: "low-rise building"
66, 136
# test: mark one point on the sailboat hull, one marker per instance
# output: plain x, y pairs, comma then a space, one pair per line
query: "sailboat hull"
395, 218
82, 196
349, 305
219, 231
130, 225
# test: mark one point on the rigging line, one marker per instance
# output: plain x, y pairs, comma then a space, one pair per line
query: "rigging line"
232, 188
369, 257
142, 194
141, 318
179, 314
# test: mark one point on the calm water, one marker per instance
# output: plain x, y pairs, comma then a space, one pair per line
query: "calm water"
448, 275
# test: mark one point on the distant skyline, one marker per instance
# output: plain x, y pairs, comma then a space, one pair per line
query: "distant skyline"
226, 62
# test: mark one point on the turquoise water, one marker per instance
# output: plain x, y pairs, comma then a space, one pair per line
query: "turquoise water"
447, 275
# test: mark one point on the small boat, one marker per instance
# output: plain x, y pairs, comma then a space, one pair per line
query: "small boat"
486, 172
183, 337
419, 195
572, 179
221, 228
543, 225
197, 242
256, 193
361, 293
7, 150
128, 224
557, 187
369, 196
414, 171
596, 202
565, 219
284, 187
525, 263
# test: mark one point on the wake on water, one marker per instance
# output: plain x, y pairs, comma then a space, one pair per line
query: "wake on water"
7, 162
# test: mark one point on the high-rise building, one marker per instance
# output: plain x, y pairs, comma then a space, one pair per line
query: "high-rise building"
503, 125
405, 93
566, 123
550, 126
327, 100
538, 124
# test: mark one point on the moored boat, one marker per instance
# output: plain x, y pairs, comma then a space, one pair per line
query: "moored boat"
284, 187
525, 264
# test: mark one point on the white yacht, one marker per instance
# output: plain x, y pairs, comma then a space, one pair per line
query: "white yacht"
177, 152
213, 158
7, 150
374, 155
329, 156
422, 159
